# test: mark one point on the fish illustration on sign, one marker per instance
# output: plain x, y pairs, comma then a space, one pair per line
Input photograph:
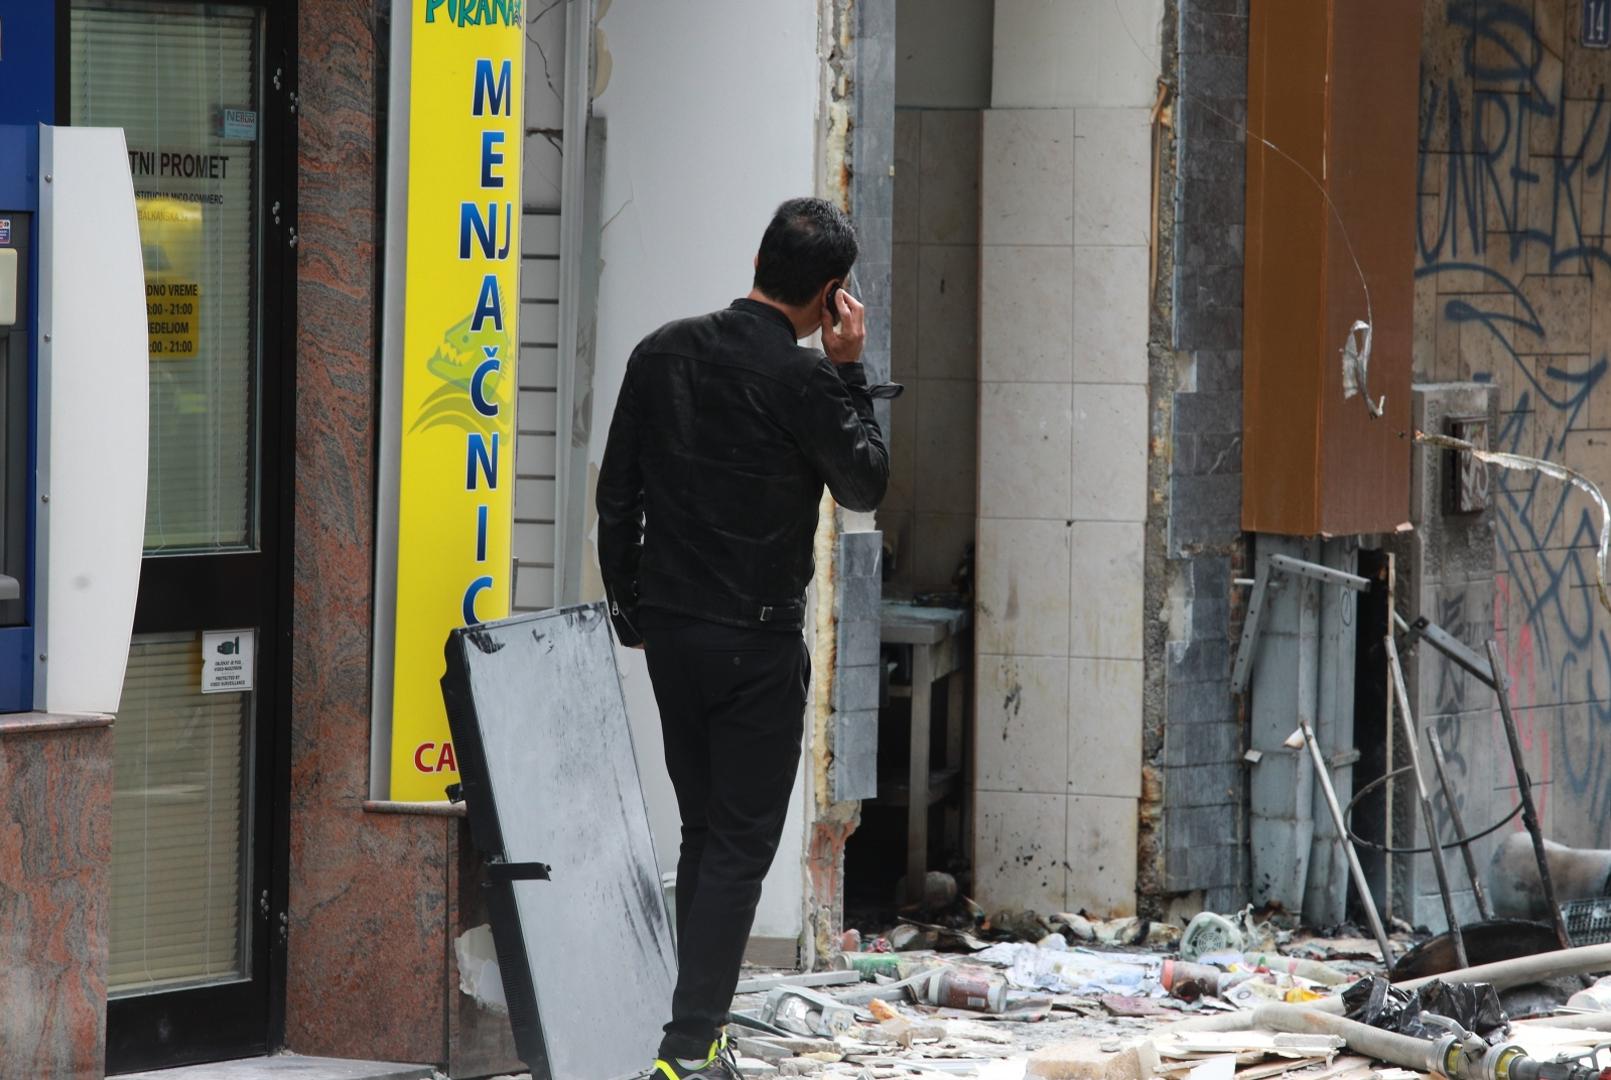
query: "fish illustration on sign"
455, 361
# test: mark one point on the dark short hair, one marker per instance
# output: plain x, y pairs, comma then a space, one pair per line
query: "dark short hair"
809, 242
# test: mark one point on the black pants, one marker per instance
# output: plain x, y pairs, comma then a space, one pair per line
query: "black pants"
732, 712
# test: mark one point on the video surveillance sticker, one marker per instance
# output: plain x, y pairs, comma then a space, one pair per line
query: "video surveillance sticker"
228, 659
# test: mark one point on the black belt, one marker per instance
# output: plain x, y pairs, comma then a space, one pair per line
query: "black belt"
782, 612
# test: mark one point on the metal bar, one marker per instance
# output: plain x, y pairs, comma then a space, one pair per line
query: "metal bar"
1413, 739
1524, 785
1251, 627
1412, 635
1387, 729
917, 809
1354, 868
955, 749
1441, 764
518, 871
580, 190
1455, 649
1308, 678
809, 978
1324, 574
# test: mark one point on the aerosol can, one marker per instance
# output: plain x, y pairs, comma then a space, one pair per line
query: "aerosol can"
962, 988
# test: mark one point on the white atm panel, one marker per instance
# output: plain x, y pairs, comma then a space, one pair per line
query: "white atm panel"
93, 419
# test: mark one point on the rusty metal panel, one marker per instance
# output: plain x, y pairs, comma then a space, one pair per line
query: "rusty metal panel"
1334, 86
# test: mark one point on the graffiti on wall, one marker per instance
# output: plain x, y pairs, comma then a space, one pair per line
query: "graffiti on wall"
1513, 269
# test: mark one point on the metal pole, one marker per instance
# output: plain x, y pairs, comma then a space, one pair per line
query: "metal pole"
1442, 766
1320, 572
1413, 738
1524, 785
1303, 812
1348, 845
1424, 629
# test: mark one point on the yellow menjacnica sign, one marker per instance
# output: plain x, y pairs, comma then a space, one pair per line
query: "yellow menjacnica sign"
461, 302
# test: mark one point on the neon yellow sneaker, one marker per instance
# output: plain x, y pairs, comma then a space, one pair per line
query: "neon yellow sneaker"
720, 1064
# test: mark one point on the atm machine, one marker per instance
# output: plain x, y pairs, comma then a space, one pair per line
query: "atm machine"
73, 398
16, 453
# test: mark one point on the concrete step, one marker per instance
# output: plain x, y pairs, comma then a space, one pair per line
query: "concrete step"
290, 1067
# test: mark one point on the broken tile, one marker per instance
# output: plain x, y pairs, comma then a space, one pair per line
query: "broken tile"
1019, 851
1021, 734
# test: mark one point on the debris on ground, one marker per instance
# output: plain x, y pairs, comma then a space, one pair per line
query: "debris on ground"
1474, 1006
1594, 998
1239, 996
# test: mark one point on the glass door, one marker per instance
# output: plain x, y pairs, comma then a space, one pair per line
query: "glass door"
197, 938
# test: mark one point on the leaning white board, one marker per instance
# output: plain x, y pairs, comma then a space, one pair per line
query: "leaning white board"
93, 422
545, 755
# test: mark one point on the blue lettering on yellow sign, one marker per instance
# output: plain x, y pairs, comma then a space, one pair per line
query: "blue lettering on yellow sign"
478, 586
491, 157
487, 92
476, 454
486, 230
489, 305
478, 393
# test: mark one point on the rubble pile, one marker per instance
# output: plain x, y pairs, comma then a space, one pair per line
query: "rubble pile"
1223, 998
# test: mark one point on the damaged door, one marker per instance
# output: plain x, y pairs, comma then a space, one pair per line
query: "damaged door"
579, 920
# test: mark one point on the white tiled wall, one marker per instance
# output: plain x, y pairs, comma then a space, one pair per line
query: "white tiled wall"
1075, 52
928, 515
1062, 458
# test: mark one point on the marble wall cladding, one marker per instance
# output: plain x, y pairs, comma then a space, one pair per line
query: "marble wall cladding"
55, 898
1063, 450
1203, 790
928, 515
480, 1041
367, 969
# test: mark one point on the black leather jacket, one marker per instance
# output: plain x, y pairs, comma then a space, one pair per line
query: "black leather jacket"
725, 432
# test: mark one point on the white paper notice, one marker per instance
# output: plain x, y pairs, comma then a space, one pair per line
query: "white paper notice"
228, 658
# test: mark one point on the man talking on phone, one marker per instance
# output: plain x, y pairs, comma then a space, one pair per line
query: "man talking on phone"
725, 432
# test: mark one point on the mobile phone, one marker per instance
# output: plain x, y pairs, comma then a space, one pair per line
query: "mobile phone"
849, 283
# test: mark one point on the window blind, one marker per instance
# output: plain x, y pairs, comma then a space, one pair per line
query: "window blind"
166, 74
178, 819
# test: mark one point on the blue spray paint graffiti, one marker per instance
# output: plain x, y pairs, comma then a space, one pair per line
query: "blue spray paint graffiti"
1515, 182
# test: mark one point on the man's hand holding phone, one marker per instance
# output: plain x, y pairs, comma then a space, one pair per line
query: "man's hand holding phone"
844, 326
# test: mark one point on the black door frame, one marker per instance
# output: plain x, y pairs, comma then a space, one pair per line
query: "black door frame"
189, 593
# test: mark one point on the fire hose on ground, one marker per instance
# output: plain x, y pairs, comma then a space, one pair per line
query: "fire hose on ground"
1503, 974
1458, 1055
